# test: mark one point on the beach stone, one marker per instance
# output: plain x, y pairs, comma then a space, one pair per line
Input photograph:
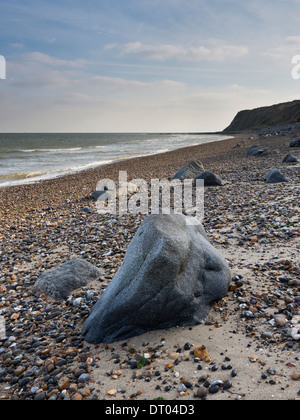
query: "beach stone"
276, 177
256, 151
295, 376
290, 159
190, 171
295, 142
210, 179
61, 281
201, 392
97, 194
170, 277
280, 320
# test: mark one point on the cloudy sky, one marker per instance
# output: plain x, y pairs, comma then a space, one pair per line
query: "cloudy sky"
143, 65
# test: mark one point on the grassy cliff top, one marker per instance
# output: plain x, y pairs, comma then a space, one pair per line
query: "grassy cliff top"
281, 114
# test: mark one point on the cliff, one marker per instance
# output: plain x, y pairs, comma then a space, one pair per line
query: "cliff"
281, 114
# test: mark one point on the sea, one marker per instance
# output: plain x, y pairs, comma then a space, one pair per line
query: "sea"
29, 158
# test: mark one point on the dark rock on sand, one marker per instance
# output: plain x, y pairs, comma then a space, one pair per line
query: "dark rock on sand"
295, 142
210, 179
98, 193
170, 277
276, 177
290, 159
61, 281
256, 151
190, 171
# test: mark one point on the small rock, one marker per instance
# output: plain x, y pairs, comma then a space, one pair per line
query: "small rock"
218, 382
77, 397
202, 353
201, 392
85, 377
254, 359
295, 376
173, 355
182, 388
227, 385
267, 335
63, 383
40, 396
280, 320
112, 392
271, 371
214, 389
24, 382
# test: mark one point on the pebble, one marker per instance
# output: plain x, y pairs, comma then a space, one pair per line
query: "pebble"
201, 392
295, 376
271, 371
112, 392
280, 320
85, 377
182, 388
214, 389
267, 335
227, 385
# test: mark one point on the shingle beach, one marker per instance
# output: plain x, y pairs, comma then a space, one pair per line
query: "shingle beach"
248, 347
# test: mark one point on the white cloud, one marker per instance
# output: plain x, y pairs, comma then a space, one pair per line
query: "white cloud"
215, 50
289, 47
40, 58
121, 84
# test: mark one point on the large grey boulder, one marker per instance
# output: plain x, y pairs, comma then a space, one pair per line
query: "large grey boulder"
64, 279
210, 179
290, 159
190, 171
276, 177
170, 277
256, 151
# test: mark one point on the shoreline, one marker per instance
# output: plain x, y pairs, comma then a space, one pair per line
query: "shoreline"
137, 167
53, 174
255, 226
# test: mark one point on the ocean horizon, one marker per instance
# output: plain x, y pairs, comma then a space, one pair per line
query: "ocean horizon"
32, 157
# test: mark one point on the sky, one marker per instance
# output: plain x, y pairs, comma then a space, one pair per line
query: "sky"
143, 65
